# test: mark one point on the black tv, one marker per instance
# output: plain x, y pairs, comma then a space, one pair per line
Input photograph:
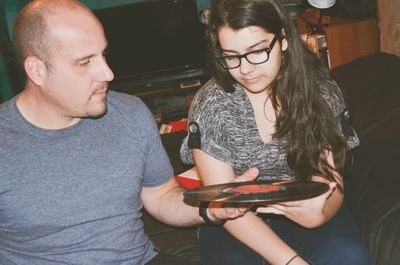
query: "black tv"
153, 40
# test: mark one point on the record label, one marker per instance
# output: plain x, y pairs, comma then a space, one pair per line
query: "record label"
253, 188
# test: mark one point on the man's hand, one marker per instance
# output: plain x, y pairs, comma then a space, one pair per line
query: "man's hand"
218, 211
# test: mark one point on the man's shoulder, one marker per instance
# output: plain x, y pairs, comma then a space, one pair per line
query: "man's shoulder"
8, 109
129, 109
122, 100
127, 104
6, 105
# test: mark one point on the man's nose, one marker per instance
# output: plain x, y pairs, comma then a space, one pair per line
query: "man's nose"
106, 74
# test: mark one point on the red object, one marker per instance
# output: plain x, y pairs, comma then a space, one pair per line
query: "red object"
188, 183
254, 188
181, 125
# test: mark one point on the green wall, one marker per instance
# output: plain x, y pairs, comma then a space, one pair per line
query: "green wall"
95, 4
5, 90
8, 12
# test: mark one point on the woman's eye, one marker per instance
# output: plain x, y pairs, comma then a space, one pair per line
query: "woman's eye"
259, 52
230, 58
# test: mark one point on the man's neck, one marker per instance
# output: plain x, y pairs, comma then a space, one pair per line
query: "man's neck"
36, 110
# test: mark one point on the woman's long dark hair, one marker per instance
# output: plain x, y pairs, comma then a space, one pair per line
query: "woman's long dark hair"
304, 118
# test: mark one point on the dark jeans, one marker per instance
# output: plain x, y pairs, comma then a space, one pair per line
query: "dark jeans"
165, 258
337, 242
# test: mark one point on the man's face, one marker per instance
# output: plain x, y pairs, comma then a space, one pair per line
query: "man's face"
77, 79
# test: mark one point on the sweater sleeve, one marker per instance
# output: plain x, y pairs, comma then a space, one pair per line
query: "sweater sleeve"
336, 101
208, 113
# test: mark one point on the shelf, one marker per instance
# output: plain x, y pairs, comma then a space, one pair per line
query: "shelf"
347, 39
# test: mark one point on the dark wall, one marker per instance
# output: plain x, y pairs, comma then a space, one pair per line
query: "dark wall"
10, 76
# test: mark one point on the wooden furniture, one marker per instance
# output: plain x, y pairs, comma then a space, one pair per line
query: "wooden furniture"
347, 39
389, 25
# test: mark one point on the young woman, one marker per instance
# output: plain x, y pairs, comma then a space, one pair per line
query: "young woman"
272, 105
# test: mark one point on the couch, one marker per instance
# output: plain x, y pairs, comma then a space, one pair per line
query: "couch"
371, 86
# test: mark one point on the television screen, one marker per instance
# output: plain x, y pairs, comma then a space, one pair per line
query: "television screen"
152, 37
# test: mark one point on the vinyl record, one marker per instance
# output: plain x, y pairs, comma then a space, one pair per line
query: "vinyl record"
257, 191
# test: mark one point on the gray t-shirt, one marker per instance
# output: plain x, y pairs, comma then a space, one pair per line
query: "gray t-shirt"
229, 132
72, 196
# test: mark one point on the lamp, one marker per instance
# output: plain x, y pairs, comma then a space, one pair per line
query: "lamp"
321, 3
315, 3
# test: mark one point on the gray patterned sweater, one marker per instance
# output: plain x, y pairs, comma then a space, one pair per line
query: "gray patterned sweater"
229, 132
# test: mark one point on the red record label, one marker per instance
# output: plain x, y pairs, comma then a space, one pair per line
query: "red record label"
255, 188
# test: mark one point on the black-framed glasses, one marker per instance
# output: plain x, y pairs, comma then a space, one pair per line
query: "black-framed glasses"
253, 57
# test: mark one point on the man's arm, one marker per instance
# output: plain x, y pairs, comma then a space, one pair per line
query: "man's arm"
165, 202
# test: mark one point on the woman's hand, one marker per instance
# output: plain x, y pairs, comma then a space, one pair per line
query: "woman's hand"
308, 213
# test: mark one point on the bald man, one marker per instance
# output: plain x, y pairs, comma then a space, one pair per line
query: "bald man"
79, 162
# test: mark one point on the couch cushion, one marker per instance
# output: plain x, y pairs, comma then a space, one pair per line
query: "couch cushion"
172, 143
373, 186
371, 86
384, 243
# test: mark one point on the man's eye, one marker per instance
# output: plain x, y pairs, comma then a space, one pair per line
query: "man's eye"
85, 62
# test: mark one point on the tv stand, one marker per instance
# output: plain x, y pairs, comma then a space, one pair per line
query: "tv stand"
169, 95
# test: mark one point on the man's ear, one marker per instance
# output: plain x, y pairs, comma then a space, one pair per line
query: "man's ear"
35, 69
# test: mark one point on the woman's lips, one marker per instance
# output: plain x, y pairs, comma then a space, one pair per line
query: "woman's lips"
251, 80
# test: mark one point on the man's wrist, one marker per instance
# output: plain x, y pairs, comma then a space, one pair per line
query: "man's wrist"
203, 214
